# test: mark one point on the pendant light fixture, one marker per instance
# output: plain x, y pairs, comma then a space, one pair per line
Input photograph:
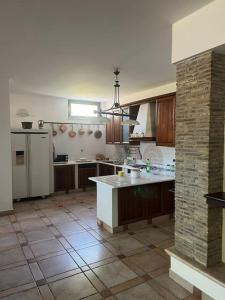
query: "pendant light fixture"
116, 109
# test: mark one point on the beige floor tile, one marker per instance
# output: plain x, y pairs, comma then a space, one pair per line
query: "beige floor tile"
114, 273
191, 297
51, 211
36, 271
126, 244
14, 277
102, 232
45, 292
150, 236
103, 262
4, 220
79, 261
126, 285
95, 281
57, 264
46, 247
6, 228
165, 244
26, 215
94, 253
94, 297
8, 240
11, 256
60, 218
40, 234
146, 261
169, 284
142, 291
69, 228
72, 288
80, 239
31, 294
31, 224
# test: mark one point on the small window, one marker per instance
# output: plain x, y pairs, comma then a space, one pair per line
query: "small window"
82, 109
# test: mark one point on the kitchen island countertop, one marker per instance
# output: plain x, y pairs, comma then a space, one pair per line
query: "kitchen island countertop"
115, 181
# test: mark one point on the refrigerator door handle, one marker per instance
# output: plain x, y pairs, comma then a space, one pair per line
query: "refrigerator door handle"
28, 165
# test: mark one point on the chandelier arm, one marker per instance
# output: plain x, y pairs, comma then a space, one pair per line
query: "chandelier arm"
116, 105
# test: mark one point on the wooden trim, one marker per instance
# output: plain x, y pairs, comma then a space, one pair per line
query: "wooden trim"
151, 99
216, 200
142, 139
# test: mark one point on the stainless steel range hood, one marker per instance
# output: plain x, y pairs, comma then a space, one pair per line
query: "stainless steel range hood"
147, 119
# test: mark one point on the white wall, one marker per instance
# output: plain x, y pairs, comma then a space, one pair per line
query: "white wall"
5, 148
200, 31
55, 109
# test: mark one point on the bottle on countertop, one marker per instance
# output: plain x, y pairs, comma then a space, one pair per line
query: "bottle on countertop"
148, 166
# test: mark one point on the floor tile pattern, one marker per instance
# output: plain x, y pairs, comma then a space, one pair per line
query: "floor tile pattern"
53, 249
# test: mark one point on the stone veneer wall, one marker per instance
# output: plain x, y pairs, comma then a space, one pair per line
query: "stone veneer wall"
200, 105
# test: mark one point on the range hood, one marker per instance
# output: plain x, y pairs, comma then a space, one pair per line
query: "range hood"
147, 119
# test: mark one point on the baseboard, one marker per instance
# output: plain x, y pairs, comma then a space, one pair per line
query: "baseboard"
6, 213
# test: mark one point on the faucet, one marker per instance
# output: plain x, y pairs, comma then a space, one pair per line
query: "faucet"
139, 153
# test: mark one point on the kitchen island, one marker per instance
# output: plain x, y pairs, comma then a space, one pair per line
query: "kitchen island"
125, 200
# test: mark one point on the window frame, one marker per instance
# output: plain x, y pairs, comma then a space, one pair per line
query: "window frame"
71, 117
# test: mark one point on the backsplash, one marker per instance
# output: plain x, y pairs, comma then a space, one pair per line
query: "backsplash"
156, 154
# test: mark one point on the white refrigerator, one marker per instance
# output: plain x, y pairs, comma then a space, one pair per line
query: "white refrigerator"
30, 162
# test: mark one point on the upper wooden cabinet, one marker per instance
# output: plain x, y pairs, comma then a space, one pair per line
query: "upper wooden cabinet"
117, 129
165, 123
110, 131
117, 133
165, 118
114, 130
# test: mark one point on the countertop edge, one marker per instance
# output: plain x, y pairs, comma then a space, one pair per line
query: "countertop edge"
96, 179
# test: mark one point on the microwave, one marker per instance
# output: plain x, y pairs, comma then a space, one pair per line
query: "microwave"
61, 158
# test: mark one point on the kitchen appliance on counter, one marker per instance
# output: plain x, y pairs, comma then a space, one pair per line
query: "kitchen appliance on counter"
60, 158
31, 163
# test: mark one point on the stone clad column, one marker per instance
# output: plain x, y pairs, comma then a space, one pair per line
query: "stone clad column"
200, 106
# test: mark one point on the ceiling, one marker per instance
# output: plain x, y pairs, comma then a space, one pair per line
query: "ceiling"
68, 48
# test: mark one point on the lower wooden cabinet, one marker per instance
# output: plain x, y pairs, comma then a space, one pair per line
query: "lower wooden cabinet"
105, 170
118, 169
168, 206
64, 178
130, 209
84, 172
145, 202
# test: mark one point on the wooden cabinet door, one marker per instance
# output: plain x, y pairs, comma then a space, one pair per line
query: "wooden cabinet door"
152, 205
117, 130
110, 131
118, 169
167, 197
130, 207
70, 177
64, 178
105, 170
125, 129
165, 129
83, 174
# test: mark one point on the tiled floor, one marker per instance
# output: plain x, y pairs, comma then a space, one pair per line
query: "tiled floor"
53, 249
